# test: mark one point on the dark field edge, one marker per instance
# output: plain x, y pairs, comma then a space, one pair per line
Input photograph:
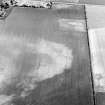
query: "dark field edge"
92, 79
6, 9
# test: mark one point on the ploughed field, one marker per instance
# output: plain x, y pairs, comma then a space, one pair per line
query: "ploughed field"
44, 55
